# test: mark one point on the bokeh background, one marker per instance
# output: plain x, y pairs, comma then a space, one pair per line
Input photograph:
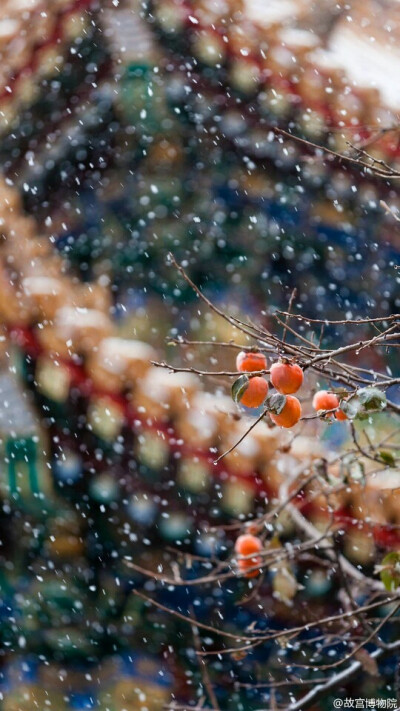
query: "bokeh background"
128, 131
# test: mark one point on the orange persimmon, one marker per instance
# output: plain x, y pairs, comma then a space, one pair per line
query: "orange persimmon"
324, 400
340, 415
290, 414
255, 393
249, 362
286, 378
246, 545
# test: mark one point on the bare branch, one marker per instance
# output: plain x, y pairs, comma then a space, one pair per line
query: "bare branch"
252, 426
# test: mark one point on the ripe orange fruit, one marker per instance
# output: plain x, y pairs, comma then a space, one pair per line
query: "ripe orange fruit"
290, 414
250, 362
244, 568
340, 416
324, 400
255, 393
287, 378
245, 545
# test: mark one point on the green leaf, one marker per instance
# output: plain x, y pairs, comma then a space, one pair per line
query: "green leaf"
388, 458
372, 398
390, 571
275, 403
364, 416
239, 387
350, 407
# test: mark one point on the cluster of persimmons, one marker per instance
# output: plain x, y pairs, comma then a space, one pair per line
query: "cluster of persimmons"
287, 379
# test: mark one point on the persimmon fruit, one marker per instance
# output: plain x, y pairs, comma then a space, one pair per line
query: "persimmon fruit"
286, 378
255, 393
340, 415
290, 414
249, 362
246, 545
324, 400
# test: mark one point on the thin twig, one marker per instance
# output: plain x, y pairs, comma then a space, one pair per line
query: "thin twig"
389, 210
292, 297
337, 680
252, 426
203, 664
